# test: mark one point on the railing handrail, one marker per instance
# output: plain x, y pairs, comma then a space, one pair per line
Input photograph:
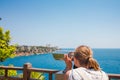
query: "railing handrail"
27, 69
30, 69
11, 68
116, 76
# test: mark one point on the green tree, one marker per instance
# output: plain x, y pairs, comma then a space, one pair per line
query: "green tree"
6, 50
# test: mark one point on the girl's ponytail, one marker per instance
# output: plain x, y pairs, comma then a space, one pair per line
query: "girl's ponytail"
92, 64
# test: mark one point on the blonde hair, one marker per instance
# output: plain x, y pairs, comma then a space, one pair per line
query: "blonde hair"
84, 55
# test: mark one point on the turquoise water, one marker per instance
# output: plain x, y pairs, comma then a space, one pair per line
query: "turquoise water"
37, 61
109, 60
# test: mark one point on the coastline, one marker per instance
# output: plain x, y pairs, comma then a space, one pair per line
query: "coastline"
27, 53
30, 50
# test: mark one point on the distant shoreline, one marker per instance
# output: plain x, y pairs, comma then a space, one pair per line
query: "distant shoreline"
30, 50
26, 54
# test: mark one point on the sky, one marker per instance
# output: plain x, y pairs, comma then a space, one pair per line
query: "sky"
62, 23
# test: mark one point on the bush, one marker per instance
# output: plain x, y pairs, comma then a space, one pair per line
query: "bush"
35, 75
10, 72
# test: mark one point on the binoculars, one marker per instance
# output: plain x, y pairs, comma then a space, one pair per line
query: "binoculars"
60, 56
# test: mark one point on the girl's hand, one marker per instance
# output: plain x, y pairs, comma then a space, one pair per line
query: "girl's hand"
68, 62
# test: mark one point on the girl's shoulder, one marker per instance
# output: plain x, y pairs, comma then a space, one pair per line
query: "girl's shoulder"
91, 73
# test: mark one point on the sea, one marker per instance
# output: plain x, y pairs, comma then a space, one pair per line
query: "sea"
108, 59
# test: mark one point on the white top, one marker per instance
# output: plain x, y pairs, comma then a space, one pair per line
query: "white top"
85, 74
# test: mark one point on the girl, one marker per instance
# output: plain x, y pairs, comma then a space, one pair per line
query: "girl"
87, 66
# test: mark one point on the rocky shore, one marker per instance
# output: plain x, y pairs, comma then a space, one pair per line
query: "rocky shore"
30, 50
